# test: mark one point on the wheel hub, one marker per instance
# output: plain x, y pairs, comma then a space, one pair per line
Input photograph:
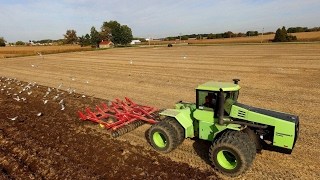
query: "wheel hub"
227, 160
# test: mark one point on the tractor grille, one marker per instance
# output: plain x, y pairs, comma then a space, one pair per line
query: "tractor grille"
241, 114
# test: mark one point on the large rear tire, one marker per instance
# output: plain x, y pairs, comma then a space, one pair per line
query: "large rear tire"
229, 155
177, 127
244, 137
163, 137
255, 138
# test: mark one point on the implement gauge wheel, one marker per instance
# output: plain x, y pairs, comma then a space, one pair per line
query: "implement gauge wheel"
162, 137
230, 156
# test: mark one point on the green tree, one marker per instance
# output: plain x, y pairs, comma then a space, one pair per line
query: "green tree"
71, 36
2, 41
219, 36
125, 35
85, 40
283, 33
282, 36
279, 37
199, 37
210, 36
184, 37
240, 34
20, 43
170, 38
252, 33
112, 30
95, 37
228, 34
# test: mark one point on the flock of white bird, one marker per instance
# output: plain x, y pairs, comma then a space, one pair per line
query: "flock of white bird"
21, 91
5, 82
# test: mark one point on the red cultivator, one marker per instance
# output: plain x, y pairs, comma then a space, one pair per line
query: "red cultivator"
121, 116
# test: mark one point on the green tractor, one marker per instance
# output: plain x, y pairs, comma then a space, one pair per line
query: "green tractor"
237, 131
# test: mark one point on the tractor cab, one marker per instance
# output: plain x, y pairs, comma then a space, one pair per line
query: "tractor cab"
209, 96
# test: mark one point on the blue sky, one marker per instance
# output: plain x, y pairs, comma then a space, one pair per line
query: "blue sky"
48, 19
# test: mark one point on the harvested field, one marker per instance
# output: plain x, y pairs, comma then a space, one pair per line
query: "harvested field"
281, 77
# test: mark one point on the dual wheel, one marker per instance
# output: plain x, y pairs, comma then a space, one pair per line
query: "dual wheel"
166, 135
232, 153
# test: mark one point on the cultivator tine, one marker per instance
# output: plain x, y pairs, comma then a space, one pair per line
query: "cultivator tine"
90, 113
130, 102
105, 107
82, 116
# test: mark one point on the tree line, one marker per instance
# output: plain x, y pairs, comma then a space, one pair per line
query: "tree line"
110, 31
230, 34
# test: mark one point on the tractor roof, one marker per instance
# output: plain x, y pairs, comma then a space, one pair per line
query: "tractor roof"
215, 86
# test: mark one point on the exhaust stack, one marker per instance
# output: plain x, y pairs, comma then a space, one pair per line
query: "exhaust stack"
235, 81
221, 107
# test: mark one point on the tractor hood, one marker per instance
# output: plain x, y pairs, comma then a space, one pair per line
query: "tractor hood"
284, 128
271, 113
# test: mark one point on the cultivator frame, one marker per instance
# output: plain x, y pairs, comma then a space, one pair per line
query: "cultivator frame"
121, 116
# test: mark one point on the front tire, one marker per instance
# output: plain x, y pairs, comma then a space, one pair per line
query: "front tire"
163, 137
177, 127
230, 156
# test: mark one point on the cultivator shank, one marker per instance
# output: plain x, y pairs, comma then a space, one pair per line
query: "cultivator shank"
121, 116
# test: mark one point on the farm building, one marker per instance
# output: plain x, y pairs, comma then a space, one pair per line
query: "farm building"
135, 42
106, 44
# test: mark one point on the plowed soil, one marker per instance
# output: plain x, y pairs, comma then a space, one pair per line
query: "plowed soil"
46, 142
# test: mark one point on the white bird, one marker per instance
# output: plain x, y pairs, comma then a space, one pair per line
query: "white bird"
184, 57
14, 118
17, 98
39, 114
87, 82
59, 87
61, 101
54, 98
24, 99
40, 55
130, 61
72, 78
109, 103
62, 107
45, 101
29, 93
32, 65
83, 96
47, 93
27, 87
49, 89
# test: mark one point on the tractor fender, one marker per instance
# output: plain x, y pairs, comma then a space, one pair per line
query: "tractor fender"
183, 117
